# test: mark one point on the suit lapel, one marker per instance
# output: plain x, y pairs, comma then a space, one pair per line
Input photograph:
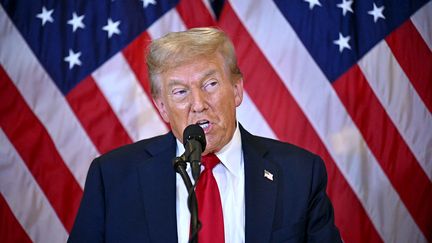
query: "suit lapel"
260, 190
158, 184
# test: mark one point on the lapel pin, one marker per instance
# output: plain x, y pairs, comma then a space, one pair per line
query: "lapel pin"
268, 175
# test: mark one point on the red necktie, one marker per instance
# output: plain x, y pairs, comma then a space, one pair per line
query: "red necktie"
209, 204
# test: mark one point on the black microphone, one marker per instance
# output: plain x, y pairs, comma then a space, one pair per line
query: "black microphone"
195, 143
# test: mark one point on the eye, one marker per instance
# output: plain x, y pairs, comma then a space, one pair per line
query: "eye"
179, 94
211, 85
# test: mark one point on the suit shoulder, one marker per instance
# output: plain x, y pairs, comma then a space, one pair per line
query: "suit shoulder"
138, 150
284, 148
288, 157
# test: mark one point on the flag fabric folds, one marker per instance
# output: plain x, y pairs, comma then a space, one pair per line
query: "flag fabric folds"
349, 80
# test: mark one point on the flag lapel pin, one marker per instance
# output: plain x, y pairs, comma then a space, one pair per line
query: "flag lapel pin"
268, 175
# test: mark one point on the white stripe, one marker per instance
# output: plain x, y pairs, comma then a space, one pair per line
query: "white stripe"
169, 22
127, 99
401, 101
209, 8
252, 120
25, 198
422, 20
46, 101
316, 97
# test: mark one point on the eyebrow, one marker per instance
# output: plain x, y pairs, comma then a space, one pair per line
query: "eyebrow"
208, 73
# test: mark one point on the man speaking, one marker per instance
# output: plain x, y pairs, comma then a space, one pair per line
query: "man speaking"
250, 189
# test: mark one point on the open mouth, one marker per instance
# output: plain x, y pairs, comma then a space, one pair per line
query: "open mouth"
204, 124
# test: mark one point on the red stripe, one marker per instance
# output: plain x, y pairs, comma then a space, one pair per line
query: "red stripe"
35, 146
10, 229
135, 55
387, 145
290, 124
415, 58
96, 116
194, 14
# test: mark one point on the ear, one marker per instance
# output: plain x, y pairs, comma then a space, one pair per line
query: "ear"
238, 92
160, 104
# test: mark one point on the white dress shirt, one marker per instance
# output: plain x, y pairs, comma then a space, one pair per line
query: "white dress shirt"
229, 175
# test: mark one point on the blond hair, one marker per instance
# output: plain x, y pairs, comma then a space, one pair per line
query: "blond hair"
176, 48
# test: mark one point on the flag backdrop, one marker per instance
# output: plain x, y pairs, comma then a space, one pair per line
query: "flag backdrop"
348, 80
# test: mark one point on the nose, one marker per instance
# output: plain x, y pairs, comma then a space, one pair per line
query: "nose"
199, 100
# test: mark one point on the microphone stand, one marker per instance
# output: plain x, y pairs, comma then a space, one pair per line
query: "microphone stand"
179, 164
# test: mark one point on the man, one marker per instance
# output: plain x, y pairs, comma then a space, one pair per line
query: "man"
269, 191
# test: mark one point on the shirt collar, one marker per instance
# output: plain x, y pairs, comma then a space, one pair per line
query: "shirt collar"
230, 155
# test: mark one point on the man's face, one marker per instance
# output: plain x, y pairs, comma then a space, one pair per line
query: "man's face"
201, 92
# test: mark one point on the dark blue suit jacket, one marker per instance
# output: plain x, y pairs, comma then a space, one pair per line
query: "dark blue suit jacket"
130, 194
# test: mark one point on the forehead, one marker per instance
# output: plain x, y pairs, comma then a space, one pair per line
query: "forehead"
195, 70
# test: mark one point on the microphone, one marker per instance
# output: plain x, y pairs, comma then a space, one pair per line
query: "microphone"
195, 143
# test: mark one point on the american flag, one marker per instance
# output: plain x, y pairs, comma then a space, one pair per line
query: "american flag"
350, 80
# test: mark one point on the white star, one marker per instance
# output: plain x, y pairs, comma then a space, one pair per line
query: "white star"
112, 27
147, 2
45, 15
312, 3
76, 22
342, 42
377, 12
345, 5
73, 59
